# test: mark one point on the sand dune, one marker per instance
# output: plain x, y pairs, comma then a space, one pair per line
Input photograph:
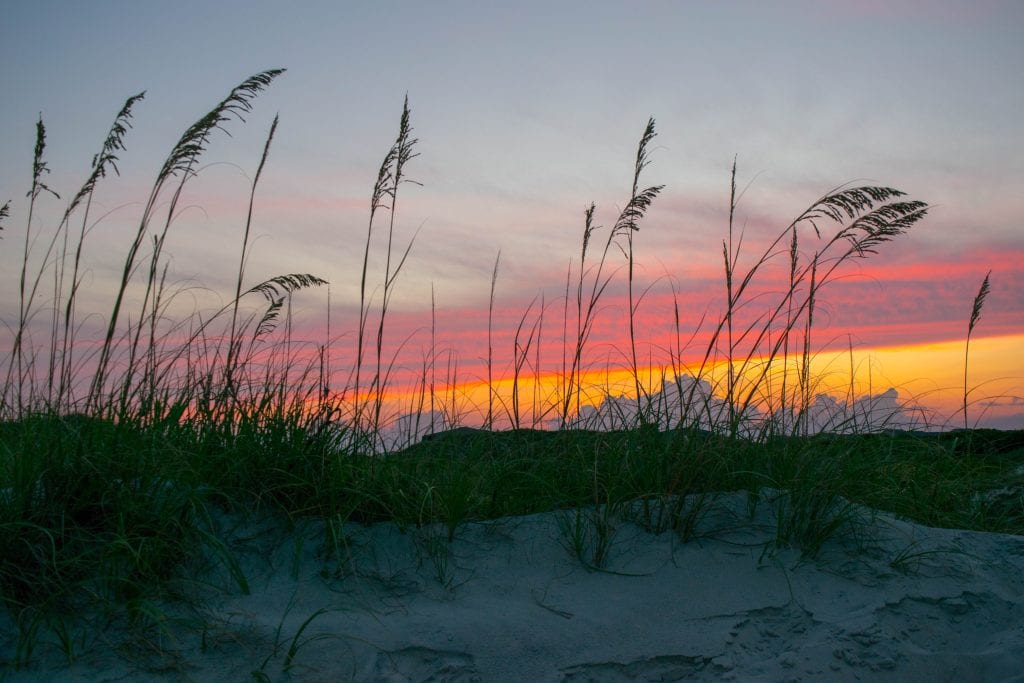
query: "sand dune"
508, 601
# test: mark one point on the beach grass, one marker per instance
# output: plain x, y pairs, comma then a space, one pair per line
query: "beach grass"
120, 464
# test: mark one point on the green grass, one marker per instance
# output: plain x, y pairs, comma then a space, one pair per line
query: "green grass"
117, 470
99, 520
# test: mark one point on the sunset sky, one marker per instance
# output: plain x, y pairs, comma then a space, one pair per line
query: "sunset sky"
527, 112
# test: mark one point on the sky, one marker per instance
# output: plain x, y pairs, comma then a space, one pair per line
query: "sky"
524, 114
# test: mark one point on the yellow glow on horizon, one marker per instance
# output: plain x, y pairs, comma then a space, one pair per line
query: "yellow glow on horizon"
933, 374
929, 376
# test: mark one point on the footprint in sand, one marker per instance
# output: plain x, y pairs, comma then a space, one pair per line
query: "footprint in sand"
425, 665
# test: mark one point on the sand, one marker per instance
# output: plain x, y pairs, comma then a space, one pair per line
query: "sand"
508, 601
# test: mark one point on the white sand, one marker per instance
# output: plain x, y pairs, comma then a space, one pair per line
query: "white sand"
514, 605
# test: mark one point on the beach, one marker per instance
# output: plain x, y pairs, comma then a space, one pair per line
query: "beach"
517, 599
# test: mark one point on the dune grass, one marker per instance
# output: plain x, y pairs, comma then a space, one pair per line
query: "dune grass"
119, 465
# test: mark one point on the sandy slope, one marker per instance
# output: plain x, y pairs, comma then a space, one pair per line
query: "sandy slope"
507, 602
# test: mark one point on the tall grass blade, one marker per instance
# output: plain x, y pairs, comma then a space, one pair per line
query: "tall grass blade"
490, 344
233, 342
979, 302
25, 299
106, 158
